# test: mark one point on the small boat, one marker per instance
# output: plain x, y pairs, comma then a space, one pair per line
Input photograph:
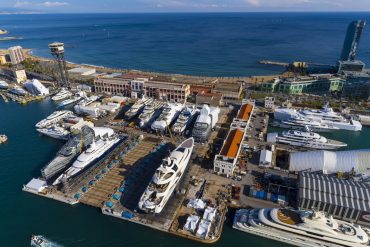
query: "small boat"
3, 138
39, 241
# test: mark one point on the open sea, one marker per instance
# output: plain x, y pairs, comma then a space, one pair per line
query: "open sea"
197, 44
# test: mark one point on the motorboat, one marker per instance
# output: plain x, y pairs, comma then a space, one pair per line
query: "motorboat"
151, 111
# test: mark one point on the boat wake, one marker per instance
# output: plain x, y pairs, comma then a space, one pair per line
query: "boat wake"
41, 241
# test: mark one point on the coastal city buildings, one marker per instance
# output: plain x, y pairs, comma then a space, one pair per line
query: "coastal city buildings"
16, 54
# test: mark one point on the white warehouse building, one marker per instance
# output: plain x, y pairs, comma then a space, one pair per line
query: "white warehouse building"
331, 162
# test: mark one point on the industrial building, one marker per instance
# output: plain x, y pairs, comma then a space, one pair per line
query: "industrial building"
117, 85
225, 162
16, 54
330, 162
344, 199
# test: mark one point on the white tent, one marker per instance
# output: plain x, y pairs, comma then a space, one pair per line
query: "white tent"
331, 162
209, 213
191, 223
196, 203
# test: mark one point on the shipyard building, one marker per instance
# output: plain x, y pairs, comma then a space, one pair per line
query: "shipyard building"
225, 162
344, 199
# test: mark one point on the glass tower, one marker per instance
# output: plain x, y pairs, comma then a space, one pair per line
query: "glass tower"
352, 40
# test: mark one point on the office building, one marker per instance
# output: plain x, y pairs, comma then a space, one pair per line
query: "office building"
352, 40
16, 54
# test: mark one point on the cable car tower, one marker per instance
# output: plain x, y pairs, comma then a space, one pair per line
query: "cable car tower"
57, 51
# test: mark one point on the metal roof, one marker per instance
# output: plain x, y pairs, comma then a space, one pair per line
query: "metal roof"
232, 143
331, 190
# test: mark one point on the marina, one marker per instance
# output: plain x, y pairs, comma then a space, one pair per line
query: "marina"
195, 158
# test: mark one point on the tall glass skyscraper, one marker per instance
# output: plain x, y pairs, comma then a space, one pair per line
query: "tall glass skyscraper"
352, 40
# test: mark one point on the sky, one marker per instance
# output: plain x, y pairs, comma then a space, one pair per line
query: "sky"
69, 6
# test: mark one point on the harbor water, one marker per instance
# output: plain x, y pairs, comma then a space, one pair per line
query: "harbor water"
213, 44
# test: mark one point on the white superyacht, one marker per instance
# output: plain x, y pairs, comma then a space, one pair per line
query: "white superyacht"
95, 150
63, 94
305, 139
54, 118
185, 119
150, 111
165, 178
169, 114
300, 228
299, 123
135, 108
72, 100
328, 116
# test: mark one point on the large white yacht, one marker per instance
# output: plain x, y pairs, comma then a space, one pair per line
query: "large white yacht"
88, 100
135, 108
63, 94
169, 114
206, 121
300, 228
74, 99
325, 116
299, 123
55, 132
305, 139
54, 118
328, 116
166, 177
150, 112
95, 150
184, 120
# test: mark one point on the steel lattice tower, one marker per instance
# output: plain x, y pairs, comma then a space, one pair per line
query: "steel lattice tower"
57, 51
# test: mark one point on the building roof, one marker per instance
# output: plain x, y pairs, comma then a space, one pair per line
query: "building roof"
232, 143
245, 112
227, 87
329, 161
334, 191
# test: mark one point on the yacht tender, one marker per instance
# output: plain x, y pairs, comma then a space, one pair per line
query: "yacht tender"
166, 178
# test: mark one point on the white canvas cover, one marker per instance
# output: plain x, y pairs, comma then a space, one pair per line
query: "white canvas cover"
196, 203
191, 223
203, 229
330, 162
209, 213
